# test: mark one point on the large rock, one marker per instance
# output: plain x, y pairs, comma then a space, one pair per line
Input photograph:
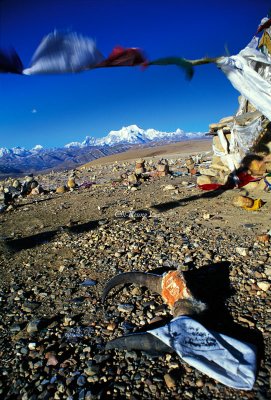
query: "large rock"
205, 180
217, 144
61, 189
208, 171
242, 201
132, 179
264, 285
71, 183
268, 166
257, 167
36, 190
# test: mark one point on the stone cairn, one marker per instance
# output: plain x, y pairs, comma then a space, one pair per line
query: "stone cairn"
140, 166
190, 165
13, 189
257, 162
162, 168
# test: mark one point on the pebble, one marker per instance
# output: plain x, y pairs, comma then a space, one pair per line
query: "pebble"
242, 251
126, 308
199, 383
33, 326
170, 381
91, 371
264, 285
32, 346
111, 327
81, 381
169, 187
51, 359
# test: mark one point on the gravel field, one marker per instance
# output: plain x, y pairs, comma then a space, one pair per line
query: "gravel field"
59, 250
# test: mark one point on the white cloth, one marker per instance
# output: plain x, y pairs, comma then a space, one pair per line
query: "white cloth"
221, 357
250, 73
64, 52
246, 136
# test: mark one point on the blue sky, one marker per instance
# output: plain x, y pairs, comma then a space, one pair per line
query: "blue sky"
53, 110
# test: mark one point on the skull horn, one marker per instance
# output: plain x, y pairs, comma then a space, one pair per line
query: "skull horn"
139, 341
151, 281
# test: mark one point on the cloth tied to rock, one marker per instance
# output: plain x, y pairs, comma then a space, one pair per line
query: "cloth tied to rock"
221, 357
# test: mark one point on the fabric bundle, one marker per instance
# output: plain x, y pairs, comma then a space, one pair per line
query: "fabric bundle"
240, 70
221, 357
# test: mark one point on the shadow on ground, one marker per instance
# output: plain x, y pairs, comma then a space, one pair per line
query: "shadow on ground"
182, 202
32, 241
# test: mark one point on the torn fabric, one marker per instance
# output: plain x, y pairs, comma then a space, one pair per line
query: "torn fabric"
221, 357
246, 135
64, 52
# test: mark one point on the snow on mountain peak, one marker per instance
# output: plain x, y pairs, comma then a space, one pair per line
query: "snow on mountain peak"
4, 151
19, 151
73, 144
131, 134
38, 147
89, 141
127, 134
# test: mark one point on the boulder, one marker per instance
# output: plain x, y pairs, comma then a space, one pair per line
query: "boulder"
205, 180
132, 179
257, 167
61, 189
208, 171
242, 201
71, 183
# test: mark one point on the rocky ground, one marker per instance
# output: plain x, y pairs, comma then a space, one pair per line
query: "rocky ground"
59, 250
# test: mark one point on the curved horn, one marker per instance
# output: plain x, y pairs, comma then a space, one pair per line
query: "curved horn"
151, 281
139, 341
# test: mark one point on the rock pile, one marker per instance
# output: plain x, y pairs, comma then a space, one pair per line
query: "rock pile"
240, 143
13, 189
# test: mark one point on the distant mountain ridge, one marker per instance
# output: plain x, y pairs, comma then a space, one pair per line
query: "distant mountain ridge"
132, 134
19, 160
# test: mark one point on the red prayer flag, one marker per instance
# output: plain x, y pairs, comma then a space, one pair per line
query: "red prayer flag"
121, 57
266, 25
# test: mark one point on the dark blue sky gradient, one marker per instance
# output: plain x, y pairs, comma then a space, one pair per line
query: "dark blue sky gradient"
71, 106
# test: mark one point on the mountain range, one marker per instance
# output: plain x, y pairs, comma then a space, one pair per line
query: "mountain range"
19, 160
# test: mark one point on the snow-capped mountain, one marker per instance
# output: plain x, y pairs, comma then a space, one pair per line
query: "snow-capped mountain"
132, 134
15, 151
19, 160
19, 151
37, 148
